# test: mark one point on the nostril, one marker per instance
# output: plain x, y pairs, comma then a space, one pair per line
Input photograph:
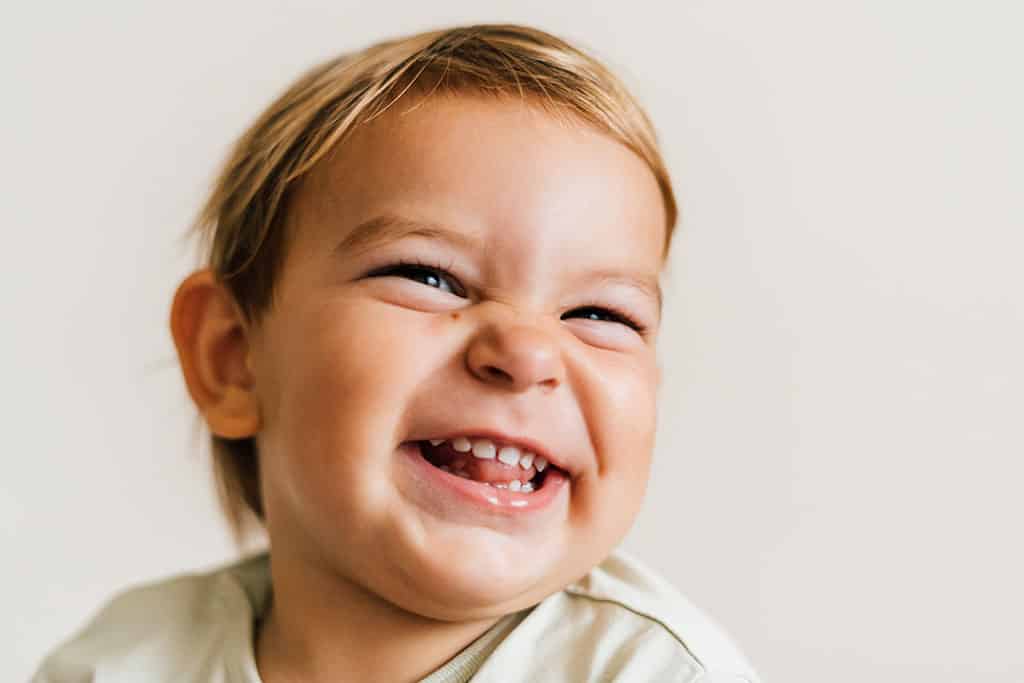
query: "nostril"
498, 373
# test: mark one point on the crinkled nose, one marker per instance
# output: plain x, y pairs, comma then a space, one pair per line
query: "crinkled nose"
516, 356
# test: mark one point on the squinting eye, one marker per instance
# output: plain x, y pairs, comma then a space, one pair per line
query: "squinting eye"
428, 275
601, 314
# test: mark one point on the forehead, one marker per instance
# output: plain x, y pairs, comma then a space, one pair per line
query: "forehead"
508, 174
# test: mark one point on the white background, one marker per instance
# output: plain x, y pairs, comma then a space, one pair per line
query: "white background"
839, 464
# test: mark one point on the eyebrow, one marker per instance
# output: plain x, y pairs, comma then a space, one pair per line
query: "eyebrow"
389, 227
647, 284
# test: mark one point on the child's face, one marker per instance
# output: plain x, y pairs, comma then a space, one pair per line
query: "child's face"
527, 230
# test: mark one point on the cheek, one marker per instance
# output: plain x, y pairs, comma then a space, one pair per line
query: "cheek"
341, 389
337, 365
627, 391
622, 396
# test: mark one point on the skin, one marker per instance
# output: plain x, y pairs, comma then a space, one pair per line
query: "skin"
372, 576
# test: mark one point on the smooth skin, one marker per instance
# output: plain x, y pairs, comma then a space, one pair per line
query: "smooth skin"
532, 247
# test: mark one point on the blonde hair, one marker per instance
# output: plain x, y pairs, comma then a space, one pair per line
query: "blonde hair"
242, 221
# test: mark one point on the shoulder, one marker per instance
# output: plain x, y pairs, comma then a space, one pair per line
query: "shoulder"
184, 628
625, 585
622, 622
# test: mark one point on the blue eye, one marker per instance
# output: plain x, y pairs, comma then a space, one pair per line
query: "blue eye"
603, 314
430, 276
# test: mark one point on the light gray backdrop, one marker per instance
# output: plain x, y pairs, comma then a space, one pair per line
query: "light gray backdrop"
838, 472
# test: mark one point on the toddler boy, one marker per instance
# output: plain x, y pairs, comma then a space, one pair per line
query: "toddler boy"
424, 345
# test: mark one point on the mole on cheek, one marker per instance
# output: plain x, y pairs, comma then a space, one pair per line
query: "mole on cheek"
455, 316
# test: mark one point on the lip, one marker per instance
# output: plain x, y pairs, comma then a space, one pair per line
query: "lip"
524, 444
480, 497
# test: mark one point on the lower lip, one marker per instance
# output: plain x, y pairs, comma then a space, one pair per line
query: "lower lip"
484, 496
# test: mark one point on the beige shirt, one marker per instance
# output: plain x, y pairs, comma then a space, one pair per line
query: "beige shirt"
621, 622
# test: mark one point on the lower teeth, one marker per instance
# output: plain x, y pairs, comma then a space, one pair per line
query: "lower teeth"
520, 486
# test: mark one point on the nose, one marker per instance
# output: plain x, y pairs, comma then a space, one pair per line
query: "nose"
516, 357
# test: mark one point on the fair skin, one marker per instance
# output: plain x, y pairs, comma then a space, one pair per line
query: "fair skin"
539, 228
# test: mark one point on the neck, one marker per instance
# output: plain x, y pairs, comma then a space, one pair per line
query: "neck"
322, 627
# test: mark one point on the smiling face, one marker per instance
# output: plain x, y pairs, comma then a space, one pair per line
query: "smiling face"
469, 268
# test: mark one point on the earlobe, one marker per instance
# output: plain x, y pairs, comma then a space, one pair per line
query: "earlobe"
237, 415
212, 340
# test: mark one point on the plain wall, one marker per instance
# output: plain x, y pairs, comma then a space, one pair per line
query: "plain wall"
839, 461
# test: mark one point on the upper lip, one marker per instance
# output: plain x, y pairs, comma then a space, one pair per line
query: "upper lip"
522, 443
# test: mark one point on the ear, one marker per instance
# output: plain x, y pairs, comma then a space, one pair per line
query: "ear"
212, 339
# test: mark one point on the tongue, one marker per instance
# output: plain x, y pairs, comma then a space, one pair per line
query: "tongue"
489, 471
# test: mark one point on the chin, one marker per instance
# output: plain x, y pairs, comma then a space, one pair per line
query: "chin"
466, 580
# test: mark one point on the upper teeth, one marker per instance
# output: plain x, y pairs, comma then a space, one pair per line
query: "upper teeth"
486, 450
510, 455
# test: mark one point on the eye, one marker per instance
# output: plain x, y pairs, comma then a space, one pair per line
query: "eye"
603, 314
431, 276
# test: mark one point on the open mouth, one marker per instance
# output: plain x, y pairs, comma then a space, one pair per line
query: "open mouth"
502, 466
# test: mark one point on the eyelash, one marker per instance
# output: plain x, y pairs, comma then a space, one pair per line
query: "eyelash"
616, 316
404, 266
